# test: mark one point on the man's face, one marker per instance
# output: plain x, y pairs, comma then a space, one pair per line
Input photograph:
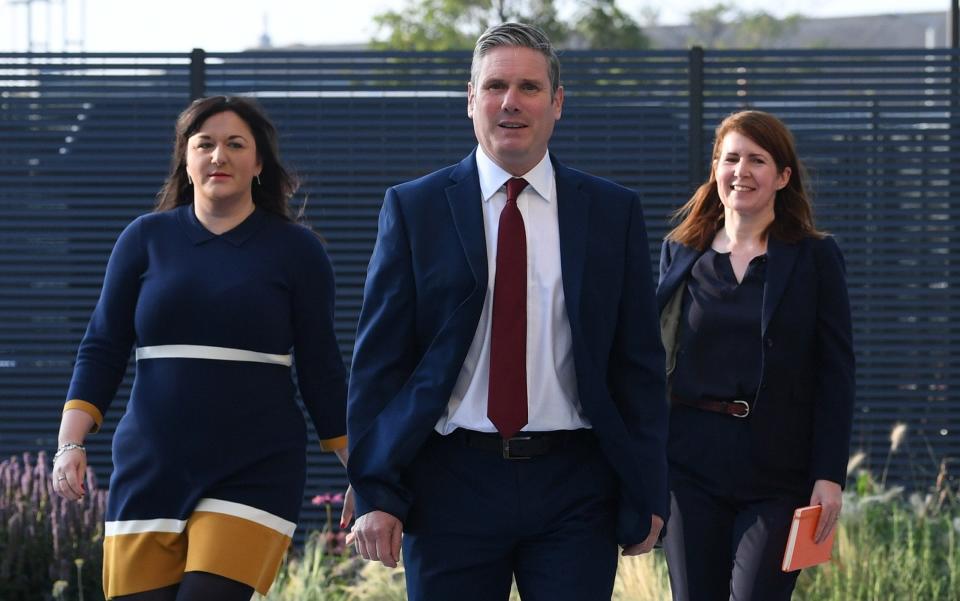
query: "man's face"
511, 107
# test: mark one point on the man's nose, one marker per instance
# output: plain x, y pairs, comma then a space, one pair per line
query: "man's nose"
510, 100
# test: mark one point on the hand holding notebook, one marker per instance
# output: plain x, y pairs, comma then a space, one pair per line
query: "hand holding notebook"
802, 551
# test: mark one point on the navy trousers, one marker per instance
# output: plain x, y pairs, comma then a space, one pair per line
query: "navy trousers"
728, 524
479, 520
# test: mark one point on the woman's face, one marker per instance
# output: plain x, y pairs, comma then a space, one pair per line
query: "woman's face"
222, 160
747, 176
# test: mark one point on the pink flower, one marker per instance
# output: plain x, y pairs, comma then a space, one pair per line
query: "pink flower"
327, 499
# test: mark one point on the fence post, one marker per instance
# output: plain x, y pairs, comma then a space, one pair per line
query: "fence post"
198, 73
695, 119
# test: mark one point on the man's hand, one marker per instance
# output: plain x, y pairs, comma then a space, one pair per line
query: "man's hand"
829, 496
349, 504
656, 525
377, 535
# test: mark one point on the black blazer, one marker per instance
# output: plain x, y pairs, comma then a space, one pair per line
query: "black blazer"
801, 417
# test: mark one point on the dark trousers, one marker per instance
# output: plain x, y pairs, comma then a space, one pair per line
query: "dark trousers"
479, 520
727, 528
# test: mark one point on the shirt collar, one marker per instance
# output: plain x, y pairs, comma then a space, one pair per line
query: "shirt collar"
493, 176
235, 236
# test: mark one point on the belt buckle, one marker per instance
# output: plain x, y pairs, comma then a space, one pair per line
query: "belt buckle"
505, 447
746, 406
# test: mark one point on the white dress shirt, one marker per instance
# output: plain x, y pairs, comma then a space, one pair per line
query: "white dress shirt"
552, 399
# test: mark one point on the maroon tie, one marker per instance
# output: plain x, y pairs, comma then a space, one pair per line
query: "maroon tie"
507, 396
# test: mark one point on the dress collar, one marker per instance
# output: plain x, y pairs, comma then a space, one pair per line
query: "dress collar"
235, 236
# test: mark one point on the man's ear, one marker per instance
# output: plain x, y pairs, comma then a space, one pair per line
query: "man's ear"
470, 98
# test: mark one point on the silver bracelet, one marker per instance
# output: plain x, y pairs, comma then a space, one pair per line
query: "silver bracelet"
69, 446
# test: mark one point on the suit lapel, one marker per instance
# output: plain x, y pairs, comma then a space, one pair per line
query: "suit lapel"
464, 200
780, 259
681, 263
573, 212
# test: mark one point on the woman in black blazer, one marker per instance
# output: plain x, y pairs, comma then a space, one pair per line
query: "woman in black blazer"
756, 323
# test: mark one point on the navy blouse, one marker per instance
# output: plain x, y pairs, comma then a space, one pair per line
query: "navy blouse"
720, 356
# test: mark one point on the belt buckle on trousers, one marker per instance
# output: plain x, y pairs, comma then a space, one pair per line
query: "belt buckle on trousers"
746, 408
505, 448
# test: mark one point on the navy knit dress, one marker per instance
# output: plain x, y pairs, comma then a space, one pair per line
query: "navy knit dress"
209, 458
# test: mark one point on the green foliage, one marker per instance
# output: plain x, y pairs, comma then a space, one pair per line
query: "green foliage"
722, 25
889, 550
886, 548
432, 25
456, 24
49, 547
316, 574
602, 24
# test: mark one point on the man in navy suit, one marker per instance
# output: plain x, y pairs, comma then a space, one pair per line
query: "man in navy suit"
507, 413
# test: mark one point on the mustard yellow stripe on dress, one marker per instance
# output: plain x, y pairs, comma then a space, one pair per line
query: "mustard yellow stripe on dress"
235, 548
133, 563
334, 444
88, 408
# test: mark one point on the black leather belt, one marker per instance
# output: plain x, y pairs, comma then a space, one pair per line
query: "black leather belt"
735, 407
525, 445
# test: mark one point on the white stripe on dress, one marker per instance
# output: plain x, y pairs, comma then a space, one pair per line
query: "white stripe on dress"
196, 351
139, 526
248, 513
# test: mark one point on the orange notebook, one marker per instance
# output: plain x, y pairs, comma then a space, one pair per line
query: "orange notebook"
801, 551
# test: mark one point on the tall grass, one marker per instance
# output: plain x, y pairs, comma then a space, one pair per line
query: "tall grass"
49, 547
888, 547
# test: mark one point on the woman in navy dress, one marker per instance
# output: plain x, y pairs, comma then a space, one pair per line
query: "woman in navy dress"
756, 324
220, 293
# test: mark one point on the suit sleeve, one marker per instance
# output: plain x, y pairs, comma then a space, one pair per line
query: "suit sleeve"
105, 349
835, 389
637, 380
321, 375
384, 358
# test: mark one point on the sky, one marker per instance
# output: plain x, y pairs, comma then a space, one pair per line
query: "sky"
234, 25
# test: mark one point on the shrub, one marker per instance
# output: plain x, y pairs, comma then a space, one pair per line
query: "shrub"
46, 540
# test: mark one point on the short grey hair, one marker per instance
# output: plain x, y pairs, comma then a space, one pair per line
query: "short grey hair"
517, 35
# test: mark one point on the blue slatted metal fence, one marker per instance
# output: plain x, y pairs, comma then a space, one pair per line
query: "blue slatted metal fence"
85, 141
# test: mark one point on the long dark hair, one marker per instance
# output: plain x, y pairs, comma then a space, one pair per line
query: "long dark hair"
702, 215
277, 185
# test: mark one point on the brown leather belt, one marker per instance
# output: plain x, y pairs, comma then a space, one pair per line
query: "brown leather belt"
736, 407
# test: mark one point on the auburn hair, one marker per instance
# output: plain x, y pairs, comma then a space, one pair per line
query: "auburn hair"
699, 219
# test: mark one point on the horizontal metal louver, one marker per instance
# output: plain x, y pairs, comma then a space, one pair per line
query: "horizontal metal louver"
85, 141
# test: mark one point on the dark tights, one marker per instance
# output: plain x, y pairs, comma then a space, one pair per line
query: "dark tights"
196, 586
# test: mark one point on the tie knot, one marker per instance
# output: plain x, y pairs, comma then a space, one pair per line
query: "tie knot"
515, 186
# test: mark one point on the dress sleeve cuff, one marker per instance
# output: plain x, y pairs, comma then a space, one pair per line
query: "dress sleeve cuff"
88, 408
334, 444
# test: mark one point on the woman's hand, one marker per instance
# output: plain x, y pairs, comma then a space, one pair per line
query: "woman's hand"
69, 471
70, 468
829, 496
